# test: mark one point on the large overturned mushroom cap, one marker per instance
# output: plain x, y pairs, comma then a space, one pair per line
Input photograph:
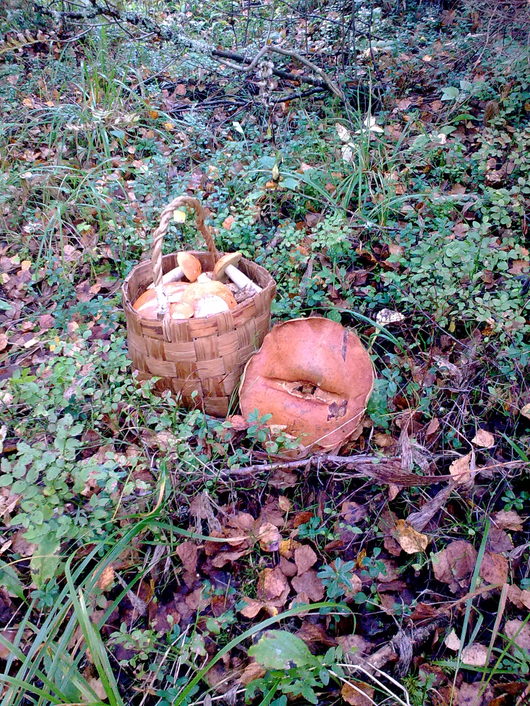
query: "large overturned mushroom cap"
314, 377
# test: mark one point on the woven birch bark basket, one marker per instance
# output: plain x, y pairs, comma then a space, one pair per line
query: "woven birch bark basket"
200, 360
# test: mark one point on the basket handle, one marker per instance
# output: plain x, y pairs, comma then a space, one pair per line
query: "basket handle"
158, 238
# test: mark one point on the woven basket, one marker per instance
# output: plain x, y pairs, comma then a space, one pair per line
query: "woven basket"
200, 360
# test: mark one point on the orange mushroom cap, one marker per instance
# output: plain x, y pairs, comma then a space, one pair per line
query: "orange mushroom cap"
314, 377
190, 265
147, 303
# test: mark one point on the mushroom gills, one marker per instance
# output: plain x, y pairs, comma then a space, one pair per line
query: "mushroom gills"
307, 390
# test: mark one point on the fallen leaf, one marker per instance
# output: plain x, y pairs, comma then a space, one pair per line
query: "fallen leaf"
251, 607
272, 584
304, 558
519, 597
508, 519
519, 632
474, 695
525, 411
410, 540
499, 541
357, 693
452, 641
269, 537
343, 133
484, 439
475, 655
454, 565
284, 503
310, 584
252, 671
106, 579
460, 470
9, 635
314, 633
494, 568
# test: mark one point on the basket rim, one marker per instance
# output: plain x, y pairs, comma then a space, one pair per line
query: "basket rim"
128, 307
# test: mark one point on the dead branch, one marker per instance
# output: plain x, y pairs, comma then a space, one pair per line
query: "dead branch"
233, 60
381, 470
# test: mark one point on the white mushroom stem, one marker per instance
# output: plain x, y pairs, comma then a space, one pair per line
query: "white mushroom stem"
240, 279
174, 275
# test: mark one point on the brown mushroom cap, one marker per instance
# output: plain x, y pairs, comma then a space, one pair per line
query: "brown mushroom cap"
190, 265
147, 303
180, 310
198, 290
314, 377
231, 258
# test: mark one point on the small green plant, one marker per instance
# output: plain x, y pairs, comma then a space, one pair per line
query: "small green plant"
292, 670
337, 578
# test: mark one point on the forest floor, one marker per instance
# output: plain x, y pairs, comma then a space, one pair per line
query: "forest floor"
140, 563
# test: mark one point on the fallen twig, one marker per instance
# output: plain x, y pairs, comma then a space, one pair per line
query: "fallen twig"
234, 60
383, 470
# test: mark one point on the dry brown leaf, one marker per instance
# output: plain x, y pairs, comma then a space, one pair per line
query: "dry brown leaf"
460, 470
474, 695
188, 554
97, 687
494, 568
252, 671
484, 439
519, 632
525, 411
304, 558
310, 584
269, 537
287, 547
475, 655
519, 597
384, 441
452, 641
284, 503
499, 541
251, 607
353, 513
455, 564
106, 578
409, 539
287, 567
272, 584
9, 635
432, 426
508, 519
313, 633
357, 693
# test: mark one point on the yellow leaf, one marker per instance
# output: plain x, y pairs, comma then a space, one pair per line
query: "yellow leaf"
179, 216
409, 539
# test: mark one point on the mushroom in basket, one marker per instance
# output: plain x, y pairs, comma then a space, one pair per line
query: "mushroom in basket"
189, 267
209, 297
